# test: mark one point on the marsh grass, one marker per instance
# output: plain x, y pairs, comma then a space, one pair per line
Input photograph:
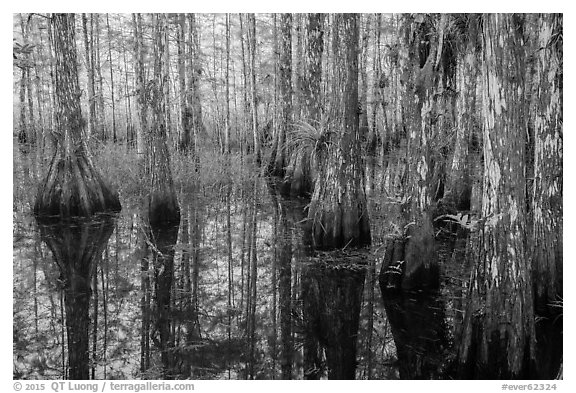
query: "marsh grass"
209, 175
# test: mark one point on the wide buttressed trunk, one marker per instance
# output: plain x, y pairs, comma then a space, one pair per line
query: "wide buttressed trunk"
338, 212
73, 186
498, 333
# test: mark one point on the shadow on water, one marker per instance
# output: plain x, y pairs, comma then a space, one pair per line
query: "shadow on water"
77, 246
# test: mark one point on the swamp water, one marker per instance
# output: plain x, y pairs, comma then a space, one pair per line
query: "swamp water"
232, 293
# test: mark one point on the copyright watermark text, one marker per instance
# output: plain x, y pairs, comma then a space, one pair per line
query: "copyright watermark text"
528, 386
101, 386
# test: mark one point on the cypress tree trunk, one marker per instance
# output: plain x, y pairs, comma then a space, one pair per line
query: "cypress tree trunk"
277, 163
338, 211
548, 174
194, 108
413, 253
88, 39
22, 132
459, 179
498, 334
114, 136
184, 141
363, 94
73, 186
299, 172
163, 204
227, 84
100, 111
253, 95
139, 71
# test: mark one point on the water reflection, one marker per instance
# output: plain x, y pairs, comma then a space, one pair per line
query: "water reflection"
232, 293
420, 334
332, 296
76, 247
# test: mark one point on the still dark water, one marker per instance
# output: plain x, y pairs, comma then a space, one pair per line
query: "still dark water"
232, 293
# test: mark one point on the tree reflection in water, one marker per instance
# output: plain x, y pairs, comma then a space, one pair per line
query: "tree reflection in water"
331, 296
417, 321
76, 246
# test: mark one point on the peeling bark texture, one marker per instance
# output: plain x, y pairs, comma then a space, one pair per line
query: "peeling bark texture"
498, 338
548, 153
338, 211
73, 186
163, 204
76, 247
422, 106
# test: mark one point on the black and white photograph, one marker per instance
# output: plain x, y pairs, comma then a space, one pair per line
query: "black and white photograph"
287, 196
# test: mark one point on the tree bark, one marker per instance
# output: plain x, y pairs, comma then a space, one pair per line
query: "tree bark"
300, 171
338, 211
459, 182
547, 205
498, 335
253, 99
114, 136
417, 258
227, 83
184, 115
277, 163
141, 88
194, 107
88, 39
163, 204
101, 111
73, 186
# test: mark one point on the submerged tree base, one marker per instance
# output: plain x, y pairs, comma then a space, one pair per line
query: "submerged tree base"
410, 261
336, 226
74, 188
